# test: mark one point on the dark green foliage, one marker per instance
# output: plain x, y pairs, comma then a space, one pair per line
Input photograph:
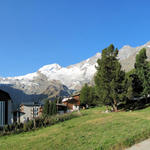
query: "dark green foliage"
87, 95
142, 70
84, 95
50, 107
109, 79
53, 107
132, 85
92, 97
46, 107
136, 85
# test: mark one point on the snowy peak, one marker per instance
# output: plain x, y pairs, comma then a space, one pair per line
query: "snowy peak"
73, 76
53, 79
52, 68
29, 76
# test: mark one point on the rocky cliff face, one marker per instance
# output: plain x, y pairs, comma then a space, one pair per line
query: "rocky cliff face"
127, 55
53, 80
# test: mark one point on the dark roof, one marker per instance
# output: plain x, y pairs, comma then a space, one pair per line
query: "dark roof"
31, 104
4, 96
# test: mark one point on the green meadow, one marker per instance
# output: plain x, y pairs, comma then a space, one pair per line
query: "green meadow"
93, 130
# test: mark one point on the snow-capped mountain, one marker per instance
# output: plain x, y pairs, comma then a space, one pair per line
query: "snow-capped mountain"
72, 76
50, 80
63, 80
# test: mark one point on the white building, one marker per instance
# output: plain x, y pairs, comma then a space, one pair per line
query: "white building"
6, 116
29, 111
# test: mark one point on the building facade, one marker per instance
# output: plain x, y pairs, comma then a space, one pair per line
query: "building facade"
6, 116
29, 111
72, 103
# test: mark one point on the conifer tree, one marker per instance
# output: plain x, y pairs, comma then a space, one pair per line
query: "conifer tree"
143, 72
46, 107
109, 78
51, 108
54, 109
84, 95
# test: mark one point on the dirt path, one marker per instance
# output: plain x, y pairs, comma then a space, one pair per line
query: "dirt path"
145, 145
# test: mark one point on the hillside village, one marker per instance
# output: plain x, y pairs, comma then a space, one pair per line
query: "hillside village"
112, 89
74, 75
28, 110
31, 110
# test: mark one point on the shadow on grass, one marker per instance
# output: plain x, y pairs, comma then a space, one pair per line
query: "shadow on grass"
135, 104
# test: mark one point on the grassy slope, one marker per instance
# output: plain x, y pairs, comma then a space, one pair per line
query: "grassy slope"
94, 130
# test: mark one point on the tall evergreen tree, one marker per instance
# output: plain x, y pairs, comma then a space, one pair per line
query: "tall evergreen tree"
109, 78
54, 109
92, 96
46, 107
143, 72
50, 108
84, 95
88, 96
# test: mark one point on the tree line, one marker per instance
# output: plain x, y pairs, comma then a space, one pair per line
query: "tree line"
50, 107
112, 85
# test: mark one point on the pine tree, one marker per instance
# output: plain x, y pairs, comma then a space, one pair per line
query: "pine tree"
84, 95
109, 78
46, 107
88, 96
92, 97
134, 85
54, 109
143, 72
51, 108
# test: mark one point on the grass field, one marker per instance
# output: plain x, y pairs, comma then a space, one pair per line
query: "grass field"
93, 130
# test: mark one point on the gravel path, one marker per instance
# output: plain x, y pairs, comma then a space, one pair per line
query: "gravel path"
145, 145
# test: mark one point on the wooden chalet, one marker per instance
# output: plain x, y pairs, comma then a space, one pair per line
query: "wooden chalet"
72, 103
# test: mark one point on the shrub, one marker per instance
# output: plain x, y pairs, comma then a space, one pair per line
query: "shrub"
39, 122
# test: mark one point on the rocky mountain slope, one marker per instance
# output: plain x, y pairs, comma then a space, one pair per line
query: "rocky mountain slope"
127, 55
55, 80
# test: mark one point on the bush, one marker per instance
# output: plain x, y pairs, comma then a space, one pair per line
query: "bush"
39, 122
25, 127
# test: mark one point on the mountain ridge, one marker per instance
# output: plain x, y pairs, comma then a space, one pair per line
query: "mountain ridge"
53, 77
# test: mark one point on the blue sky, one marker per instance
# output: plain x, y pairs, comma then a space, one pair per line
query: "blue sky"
34, 33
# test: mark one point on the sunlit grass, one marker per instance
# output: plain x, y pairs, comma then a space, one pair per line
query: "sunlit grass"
93, 130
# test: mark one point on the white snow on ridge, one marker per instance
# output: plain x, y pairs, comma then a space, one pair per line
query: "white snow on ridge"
50, 68
29, 76
73, 75
68, 76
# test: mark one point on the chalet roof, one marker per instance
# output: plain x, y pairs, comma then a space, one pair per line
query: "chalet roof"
66, 99
4, 96
70, 98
